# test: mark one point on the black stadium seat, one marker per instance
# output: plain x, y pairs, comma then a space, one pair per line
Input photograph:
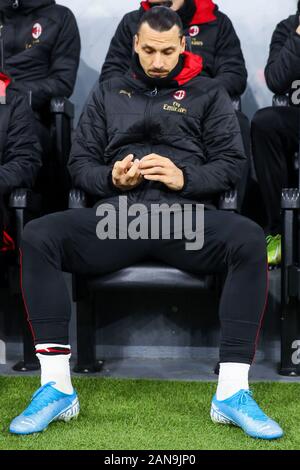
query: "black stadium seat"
150, 275
290, 268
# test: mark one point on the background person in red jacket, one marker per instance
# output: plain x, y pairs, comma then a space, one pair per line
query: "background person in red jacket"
275, 130
152, 136
212, 37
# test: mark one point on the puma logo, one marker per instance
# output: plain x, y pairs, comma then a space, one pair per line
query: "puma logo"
127, 93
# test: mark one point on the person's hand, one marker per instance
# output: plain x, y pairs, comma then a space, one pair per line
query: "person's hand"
126, 174
298, 29
154, 167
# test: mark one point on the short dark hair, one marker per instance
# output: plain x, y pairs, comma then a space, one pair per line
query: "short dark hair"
161, 19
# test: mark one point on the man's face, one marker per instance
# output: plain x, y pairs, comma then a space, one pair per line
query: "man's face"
159, 52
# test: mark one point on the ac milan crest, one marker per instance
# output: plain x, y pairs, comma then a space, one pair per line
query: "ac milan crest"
194, 31
179, 95
36, 30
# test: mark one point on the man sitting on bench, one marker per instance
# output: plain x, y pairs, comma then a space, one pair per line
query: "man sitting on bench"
160, 134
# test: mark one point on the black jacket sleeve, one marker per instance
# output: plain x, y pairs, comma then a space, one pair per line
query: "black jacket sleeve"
86, 164
63, 66
283, 65
118, 58
230, 70
225, 157
22, 151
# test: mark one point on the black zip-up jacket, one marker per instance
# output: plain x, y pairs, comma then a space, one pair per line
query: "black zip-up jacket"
20, 152
212, 36
283, 65
191, 122
41, 48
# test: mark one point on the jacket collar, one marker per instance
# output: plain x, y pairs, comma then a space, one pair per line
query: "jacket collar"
205, 11
193, 66
189, 66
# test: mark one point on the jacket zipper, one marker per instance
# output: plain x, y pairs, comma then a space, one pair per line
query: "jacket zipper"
148, 109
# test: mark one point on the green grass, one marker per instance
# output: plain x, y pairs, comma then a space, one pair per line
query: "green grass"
147, 414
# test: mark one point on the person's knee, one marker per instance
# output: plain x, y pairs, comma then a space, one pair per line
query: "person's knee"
39, 233
250, 243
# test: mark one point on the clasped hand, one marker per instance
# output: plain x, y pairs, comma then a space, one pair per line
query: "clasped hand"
129, 173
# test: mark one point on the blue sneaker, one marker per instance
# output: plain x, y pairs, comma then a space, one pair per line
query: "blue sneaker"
47, 405
243, 411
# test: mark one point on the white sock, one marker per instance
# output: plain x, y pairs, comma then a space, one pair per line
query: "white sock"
55, 368
232, 378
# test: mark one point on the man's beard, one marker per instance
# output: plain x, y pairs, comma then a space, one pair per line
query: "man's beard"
158, 73
164, 82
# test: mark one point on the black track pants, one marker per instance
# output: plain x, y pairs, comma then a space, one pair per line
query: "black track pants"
67, 241
274, 143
